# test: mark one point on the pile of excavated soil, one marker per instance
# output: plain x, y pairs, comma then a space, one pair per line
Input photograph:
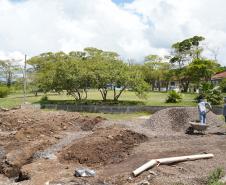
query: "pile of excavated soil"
176, 120
104, 146
88, 124
33, 123
24, 132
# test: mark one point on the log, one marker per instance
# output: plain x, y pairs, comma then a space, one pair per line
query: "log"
170, 160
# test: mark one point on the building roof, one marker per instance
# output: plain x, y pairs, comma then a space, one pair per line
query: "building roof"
220, 75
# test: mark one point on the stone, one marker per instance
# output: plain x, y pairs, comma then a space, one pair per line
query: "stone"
223, 179
84, 172
144, 182
152, 173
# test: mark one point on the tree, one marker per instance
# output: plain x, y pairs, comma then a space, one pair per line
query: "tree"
8, 69
77, 71
73, 76
156, 71
185, 52
202, 69
112, 73
44, 69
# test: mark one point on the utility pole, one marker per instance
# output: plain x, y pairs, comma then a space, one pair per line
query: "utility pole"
25, 79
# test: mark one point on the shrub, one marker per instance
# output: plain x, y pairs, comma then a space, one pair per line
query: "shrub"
173, 97
214, 96
215, 176
223, 85
44, 98
4, 91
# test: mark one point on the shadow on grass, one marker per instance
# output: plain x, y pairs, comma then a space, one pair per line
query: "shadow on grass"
90, 102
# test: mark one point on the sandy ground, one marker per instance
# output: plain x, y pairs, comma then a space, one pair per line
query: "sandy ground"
45, 148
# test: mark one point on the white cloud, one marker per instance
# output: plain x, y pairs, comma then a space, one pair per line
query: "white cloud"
133, 30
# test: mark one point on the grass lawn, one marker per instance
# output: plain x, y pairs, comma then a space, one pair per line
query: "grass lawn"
127, 98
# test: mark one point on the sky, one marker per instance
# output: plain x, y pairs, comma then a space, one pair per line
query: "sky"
132, 28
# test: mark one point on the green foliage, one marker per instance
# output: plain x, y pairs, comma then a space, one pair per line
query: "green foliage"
76, 72
215, 176
156, 71
44, 98
186, 50
214, 96
173, 97
4, 91
8, 69
202, 69
210, 93
223, 85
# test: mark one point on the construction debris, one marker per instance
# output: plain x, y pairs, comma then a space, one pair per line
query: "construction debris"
84, 172
170, 160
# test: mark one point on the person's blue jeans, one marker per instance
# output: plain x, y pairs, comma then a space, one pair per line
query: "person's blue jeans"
202, 117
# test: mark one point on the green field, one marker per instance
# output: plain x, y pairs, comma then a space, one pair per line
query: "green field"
94, 97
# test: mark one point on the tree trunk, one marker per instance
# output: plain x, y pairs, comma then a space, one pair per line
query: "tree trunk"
85, 91
159, 85
185, 86
9, 79
103, 93
167, 86
116, 97
153, 85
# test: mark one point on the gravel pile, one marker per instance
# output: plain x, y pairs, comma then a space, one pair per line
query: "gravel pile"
176, 120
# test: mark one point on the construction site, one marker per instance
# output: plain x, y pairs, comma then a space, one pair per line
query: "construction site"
40, 147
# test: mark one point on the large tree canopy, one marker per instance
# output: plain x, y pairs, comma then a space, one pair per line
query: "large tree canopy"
77, 71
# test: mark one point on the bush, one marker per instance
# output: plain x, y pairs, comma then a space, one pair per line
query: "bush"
223, 85
44, 98
214, 96
4, 91
173, 97
215, 176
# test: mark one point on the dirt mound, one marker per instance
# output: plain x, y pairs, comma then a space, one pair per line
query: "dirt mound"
105, 146
176, 120
23, 132
88, 124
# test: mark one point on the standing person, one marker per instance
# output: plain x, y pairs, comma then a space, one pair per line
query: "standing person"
224, 109
203, 110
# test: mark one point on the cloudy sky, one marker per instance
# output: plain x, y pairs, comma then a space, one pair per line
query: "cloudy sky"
133, 28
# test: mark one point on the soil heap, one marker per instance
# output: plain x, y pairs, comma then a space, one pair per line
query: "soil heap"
176, 120
104, 146
23, 132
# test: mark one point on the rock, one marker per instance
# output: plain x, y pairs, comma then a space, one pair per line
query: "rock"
23, 175
144, 182
84, 172
223, 179
153, 173
129, 179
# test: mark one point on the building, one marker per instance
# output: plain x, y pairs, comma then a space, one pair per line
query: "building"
217, 78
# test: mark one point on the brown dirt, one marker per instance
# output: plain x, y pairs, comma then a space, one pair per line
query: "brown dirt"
88, 124
104, 146
112, 148
23, 132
